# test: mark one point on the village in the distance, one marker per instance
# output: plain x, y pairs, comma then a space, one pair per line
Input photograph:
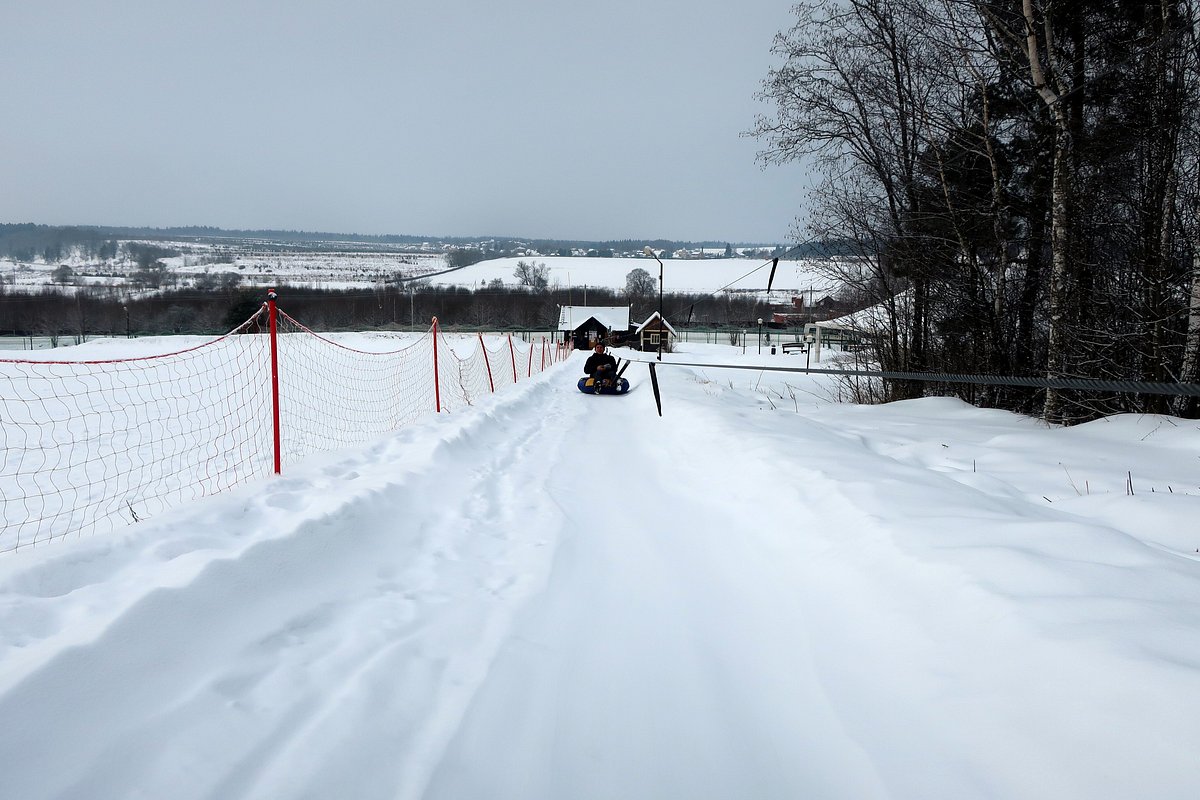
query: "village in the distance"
64, 285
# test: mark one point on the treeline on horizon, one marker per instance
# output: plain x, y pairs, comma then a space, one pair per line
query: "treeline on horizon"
28, 241
85, 314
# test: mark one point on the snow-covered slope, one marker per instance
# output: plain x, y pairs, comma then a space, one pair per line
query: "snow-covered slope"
679, 275
761, 594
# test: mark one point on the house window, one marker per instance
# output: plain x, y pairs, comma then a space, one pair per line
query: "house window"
653, 338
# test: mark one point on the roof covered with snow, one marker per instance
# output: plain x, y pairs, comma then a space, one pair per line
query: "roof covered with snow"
613, 317
652, 318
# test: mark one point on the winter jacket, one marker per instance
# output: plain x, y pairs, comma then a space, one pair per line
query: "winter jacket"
595, 360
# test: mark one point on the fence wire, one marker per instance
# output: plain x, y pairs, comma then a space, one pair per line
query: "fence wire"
1097, 384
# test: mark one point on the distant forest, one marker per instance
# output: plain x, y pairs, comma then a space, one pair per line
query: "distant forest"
30, 242
69, 317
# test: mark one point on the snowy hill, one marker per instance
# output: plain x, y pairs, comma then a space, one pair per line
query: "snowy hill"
679, 275
763, 593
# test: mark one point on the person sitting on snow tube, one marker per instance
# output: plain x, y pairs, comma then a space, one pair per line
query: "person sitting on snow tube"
601, 367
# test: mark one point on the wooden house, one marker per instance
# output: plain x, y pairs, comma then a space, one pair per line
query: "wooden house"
583, 326
654, 330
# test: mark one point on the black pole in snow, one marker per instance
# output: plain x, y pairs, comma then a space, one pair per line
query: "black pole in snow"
654, 383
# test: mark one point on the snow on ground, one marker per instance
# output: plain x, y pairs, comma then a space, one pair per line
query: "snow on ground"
679, 275
762, 594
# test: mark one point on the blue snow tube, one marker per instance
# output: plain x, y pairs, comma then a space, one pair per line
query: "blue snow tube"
588, 386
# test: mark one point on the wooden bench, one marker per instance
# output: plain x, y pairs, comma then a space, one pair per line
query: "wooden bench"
794, 347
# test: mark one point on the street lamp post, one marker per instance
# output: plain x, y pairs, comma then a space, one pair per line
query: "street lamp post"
662, 327
126, 321
760, 336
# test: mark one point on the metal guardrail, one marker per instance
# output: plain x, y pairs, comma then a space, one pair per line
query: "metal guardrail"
1128, 387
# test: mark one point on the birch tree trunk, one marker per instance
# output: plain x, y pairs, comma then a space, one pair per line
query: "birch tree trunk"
1190, 372
1060, 223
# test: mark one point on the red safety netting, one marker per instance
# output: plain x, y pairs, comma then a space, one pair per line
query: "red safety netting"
91, 445
488, 368
332, 395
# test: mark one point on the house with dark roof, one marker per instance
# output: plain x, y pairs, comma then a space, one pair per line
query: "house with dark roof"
585, 325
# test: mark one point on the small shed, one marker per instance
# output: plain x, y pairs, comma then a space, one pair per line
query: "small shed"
586, 325
654, 330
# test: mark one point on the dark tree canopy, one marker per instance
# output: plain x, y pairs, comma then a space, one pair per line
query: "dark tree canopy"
1017, 183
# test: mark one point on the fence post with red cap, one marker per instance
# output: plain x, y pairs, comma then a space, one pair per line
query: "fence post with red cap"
437, 386
487, 363
512, 352
271, 318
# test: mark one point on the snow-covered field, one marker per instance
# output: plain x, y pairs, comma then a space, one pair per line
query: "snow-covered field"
320, 270
679, 275
325, 270
369, 269
763, 594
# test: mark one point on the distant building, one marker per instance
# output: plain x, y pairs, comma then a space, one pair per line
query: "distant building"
654, 330
585, 325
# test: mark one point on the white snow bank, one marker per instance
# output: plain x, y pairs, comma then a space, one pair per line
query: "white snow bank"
559, 595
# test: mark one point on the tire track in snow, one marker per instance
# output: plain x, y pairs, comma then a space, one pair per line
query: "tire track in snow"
666, 656
759, 621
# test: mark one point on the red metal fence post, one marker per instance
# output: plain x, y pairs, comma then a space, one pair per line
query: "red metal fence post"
543, 355
512, 352
529, 372
437, 384
271, 312
487, 363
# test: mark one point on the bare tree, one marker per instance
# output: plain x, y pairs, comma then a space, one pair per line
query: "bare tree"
856, 92
62, 274
639, 284
1189, 201
1015, 181
535, 275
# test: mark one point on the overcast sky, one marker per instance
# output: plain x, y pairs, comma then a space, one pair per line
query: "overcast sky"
607, 119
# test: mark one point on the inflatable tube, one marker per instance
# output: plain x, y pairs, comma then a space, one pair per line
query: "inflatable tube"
588, 387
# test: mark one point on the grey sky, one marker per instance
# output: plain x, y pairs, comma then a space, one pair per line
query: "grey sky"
598, 120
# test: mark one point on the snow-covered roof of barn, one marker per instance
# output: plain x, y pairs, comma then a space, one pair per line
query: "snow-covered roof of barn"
652, 318
613, 317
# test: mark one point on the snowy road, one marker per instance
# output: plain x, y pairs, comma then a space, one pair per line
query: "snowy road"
566, 596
